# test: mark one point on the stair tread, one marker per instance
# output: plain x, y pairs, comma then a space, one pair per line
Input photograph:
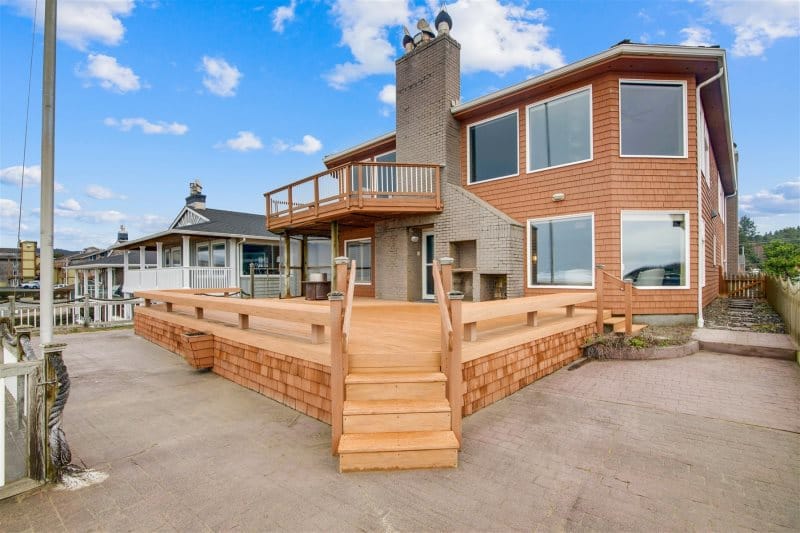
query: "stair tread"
393, 442
370, 407
394, 377
614, 320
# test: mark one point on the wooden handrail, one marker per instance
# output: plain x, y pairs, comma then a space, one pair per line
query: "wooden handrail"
441, 299
626, 286
348, 302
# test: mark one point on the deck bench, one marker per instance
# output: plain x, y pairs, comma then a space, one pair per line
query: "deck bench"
472, 313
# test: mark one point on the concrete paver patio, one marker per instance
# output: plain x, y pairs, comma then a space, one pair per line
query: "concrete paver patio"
706, 442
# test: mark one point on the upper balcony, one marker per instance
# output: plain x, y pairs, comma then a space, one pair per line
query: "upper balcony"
354, 194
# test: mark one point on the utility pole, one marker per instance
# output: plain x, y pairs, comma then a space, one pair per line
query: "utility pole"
48, 162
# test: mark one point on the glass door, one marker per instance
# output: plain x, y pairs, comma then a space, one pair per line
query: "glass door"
427, 265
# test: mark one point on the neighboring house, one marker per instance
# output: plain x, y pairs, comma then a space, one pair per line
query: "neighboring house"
205, 248
624, 159
100, 273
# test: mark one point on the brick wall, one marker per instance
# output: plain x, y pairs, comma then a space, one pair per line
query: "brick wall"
495, 376
297, 383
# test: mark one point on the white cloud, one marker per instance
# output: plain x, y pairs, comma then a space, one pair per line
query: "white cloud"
499, 37
8, 208
757, 24
149, 128
110, 74
221, 78
81, 22
70, 205
783, 199
33, 176
365, 27
309, 145
243, 142
696, 36
12, 175
494, 36
283, 14
93, 217
388, 94
98, 192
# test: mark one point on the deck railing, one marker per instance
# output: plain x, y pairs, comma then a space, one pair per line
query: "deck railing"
341, 311
452, 331
355, 185
84, 311
177, 278
625, 286
784, 296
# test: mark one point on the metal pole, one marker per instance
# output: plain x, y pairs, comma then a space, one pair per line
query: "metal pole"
48, 160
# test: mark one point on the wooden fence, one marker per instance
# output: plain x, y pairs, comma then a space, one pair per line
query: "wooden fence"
743, 286
784, 296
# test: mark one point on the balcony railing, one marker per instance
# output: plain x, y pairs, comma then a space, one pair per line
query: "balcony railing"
178, 278
366, 187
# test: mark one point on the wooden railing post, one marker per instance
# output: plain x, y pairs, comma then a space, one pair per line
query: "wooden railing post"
340, 264
438, 186
290, 206
455, 387
628, 306
447, 273
336, 299
598, 287
360, 175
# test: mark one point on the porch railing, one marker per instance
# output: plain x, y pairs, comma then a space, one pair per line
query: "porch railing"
81, 312
354, 185
341, 309
452, 333
178, 278
625, 286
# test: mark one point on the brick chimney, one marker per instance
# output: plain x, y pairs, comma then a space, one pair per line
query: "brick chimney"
196, 198
428, 83
122, 234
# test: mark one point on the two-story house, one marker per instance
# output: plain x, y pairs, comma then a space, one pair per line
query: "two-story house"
624, 159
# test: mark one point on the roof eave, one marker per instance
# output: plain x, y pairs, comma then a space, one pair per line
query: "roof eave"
353, 149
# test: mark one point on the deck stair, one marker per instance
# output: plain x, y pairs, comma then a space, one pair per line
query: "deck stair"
617, 324
396, 415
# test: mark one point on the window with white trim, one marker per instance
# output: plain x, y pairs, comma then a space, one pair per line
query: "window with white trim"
218, 254
655, 249
202, 255
493, 148
561, 251
361, 251
560, 130
172, 257
652, 119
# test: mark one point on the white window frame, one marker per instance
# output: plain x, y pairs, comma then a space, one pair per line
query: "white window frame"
528, 251
197, 247
469, 148
211, 254
704, 144
686, 242
528, 158
682, 83
168, 263
371, 252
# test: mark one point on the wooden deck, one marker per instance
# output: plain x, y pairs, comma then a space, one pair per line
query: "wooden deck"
378, 326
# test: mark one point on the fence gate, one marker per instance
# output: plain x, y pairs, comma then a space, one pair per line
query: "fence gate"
22, 424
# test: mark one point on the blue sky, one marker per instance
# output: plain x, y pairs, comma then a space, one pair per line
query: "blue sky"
247, 96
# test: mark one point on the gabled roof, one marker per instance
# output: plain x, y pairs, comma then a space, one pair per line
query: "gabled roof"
212, 223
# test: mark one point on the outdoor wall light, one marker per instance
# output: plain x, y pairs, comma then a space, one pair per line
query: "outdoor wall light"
559, 197
714, 214
414, 238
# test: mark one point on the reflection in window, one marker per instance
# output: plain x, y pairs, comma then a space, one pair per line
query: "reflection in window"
652, 119
361, 251
218, 254
319, 256
202, 255
561, 251
560, 131
654, 249
493, 148
263, 257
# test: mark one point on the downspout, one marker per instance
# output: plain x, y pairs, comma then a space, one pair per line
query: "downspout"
698, 141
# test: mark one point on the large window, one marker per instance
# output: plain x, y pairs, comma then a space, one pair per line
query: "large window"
172, 257
652, 119
263, 257
493, 148
202, 255
560, 130
218, 254
561, 251
361, 251
319, 257
655, 249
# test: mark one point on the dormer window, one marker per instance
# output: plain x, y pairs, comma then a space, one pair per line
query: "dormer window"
652, 118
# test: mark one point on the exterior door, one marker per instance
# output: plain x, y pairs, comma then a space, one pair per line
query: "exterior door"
427, 265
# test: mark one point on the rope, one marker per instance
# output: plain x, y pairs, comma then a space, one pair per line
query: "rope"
25, 137
60, 454
222, 295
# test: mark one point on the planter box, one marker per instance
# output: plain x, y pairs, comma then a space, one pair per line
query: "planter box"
198, 349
